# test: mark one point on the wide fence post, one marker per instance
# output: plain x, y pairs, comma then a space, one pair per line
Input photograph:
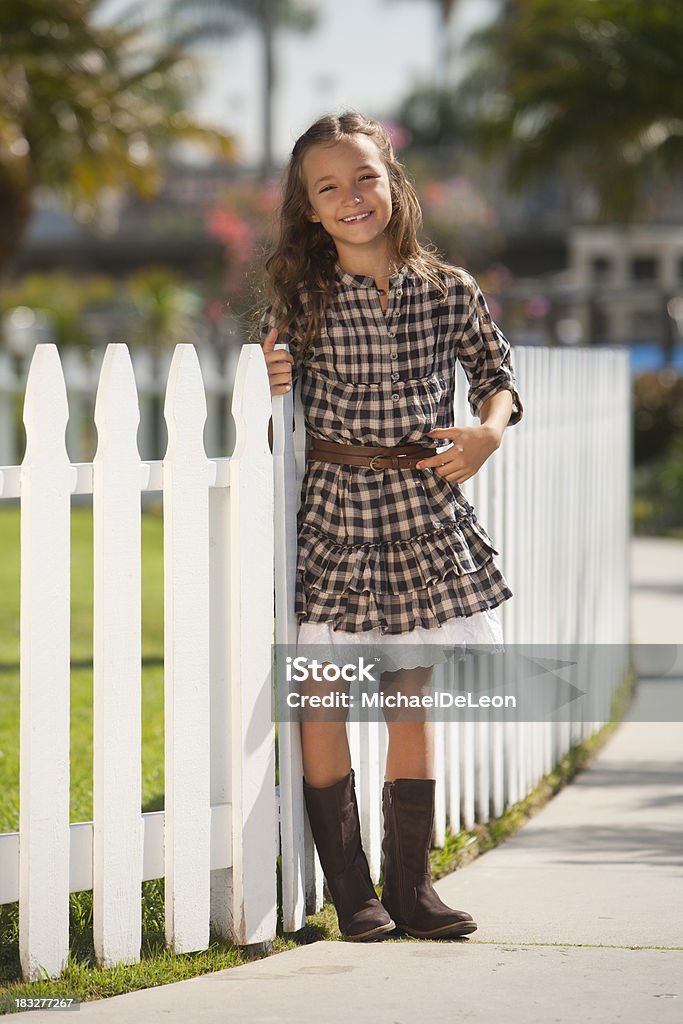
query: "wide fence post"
292, 827
117, 685
302, 878
254, 912
44, 673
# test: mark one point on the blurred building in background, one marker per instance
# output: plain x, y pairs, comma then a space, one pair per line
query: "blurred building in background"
564, 283
555, 270
628, 284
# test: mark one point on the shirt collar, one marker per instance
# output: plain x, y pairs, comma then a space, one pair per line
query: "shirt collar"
362, 281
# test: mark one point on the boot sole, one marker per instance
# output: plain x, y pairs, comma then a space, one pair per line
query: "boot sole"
440, 933
374, 933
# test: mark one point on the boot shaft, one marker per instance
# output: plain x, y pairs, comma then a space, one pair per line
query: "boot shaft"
408, 894
408, 806
333, 816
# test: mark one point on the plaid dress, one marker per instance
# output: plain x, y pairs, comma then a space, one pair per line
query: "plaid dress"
394, 550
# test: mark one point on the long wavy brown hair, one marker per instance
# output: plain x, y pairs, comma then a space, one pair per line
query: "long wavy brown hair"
300, 270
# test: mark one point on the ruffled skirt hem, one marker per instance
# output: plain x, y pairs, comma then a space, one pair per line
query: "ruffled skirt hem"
397, 587
419, 647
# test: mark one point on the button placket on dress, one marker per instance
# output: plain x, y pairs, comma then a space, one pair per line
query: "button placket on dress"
391, 316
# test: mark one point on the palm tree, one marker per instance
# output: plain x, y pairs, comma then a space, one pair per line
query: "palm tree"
84, 107
443, 63
591, 88
446, 8
196, 21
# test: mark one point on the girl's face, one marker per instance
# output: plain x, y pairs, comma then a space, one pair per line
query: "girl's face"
349, 194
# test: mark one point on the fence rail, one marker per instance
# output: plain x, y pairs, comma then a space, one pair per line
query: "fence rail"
556, 496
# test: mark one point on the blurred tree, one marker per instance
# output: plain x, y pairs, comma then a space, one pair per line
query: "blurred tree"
434, 120
198, 21
165, 305
444, 43
62, 298
85, 108
657, 414
592, 88
167, 310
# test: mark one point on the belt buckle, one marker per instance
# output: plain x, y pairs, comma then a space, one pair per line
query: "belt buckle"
372, 463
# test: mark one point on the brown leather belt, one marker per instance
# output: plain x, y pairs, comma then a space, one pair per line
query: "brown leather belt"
404, 456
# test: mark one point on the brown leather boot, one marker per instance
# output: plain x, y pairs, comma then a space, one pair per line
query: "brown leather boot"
408, 894
333, 814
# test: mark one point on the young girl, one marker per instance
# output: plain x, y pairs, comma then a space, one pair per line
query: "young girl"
389, 550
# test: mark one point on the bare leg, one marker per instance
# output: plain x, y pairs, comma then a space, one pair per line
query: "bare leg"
410, 754
324, 742
325, 751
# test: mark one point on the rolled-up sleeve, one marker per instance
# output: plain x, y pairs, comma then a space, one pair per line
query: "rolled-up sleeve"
485, 355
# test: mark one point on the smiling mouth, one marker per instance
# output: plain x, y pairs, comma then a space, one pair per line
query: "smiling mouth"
356, 218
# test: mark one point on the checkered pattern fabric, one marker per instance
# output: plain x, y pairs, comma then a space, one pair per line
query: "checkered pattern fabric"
395, 548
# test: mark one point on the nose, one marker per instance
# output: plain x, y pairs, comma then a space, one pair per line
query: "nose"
353, 197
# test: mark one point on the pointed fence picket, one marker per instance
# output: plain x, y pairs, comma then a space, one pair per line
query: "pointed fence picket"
555, 500
186, 658
45, 482
117, 666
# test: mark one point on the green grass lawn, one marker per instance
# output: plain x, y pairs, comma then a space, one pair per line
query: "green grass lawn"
81, 670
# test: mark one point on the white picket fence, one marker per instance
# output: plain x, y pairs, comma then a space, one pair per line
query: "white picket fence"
556, 496
81, 373
215, 843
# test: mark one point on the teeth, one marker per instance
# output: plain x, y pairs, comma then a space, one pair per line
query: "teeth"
359, 216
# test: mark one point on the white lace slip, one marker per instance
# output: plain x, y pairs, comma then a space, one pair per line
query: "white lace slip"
421, 647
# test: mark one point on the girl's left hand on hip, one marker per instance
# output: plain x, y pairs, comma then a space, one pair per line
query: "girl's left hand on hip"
470, 449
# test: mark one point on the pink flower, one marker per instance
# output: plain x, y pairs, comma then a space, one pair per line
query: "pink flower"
232, 230
537, 307
400, 137
435, 192
494, 308
215, 310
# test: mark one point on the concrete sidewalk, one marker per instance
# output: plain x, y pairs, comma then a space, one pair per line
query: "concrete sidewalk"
579, 913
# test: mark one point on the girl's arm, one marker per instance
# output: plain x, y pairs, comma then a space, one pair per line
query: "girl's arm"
495, 414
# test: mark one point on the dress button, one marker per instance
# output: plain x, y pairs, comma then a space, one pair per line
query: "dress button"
394, 355
394, 376
399, 292
392, 334
395, 397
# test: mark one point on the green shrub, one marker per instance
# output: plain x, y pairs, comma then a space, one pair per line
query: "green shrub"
657, 414
658, 454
